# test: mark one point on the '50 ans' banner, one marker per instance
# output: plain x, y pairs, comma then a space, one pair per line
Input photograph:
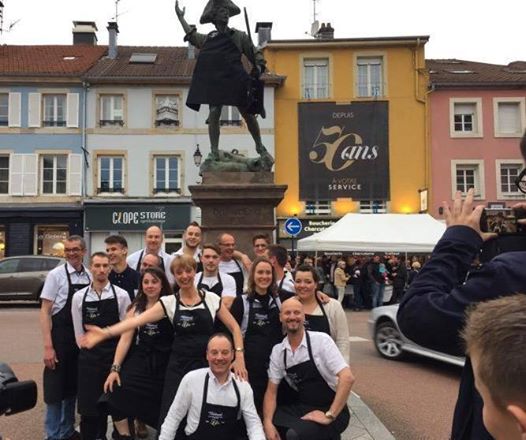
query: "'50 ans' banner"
343, 151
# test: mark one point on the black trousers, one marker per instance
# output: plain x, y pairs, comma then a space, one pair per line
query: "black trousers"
93, 427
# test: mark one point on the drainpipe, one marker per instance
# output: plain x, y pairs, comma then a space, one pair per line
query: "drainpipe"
85, 86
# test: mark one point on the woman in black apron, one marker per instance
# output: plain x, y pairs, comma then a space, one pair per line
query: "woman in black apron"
327, 318
257, 313
192, 313
135, 390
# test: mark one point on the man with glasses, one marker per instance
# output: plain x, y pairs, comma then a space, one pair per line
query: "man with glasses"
432, 312
60, 348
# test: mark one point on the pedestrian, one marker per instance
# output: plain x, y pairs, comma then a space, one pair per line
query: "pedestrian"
101, 304
213, 400
415, 268
121, 274
398, 276
134, 386
312, 364
327, 317
257, 313
60, 348
376, 280
340, 279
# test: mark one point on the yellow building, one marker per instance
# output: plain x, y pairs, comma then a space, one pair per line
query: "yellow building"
350, 130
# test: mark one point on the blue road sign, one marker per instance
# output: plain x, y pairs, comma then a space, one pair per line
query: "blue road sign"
293, 226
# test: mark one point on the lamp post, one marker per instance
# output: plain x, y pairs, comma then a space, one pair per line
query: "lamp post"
197, 156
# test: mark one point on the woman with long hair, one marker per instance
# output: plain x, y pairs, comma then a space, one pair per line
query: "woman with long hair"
257, 313
192, 313
134, 386
329, 317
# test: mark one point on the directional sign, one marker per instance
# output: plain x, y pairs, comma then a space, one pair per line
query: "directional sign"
293, 226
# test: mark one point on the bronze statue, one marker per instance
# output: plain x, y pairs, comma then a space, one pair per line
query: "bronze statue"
220, 79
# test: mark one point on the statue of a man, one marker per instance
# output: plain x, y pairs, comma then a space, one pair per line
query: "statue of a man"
219, 77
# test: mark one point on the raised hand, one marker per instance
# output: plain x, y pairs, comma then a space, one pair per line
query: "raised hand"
180, 12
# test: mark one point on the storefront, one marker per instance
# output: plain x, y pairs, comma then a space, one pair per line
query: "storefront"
103, 218
38, 229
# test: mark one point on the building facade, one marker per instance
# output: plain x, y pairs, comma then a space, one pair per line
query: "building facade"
477, 117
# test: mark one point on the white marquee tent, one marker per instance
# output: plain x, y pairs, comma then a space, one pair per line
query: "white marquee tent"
377, 233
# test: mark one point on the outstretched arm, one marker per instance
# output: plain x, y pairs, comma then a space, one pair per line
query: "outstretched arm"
180, 15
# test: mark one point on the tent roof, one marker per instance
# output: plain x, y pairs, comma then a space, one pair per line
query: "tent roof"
377, 233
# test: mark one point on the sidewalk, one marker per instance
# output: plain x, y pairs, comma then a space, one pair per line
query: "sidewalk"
364, 424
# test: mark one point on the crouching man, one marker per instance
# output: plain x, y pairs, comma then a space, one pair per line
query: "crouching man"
212, 400
321, 381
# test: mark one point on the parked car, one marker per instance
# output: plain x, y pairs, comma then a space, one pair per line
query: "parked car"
392, 344
22, 278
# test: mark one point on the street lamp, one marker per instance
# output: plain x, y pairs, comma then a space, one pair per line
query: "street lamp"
197, 156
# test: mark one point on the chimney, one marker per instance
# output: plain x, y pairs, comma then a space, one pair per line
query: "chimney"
113, 30
191, 49
264, 29
326, 32
85, 32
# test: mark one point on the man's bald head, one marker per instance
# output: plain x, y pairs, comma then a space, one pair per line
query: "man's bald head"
153, 239
227, 244
292, 316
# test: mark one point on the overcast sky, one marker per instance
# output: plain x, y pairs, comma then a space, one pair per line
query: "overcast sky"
463, 29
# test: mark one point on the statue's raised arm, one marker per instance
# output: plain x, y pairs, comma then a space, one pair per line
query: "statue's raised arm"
180, 15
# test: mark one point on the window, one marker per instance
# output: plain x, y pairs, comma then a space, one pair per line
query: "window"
9, 266
373, 206
54, 174
318, 207
509, 117
111, 174
54, 110
507, 172
4, 174
4, 109
316, 78
466, 174
111, 111
2, 242
466, 117
230, 116
49, 240
370, 76
167, 111
166, 174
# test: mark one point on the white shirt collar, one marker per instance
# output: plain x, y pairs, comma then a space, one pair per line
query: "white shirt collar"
71, 269
214, 378
106, 288
303, 343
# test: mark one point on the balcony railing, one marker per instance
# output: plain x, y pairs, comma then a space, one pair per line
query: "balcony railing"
111, 123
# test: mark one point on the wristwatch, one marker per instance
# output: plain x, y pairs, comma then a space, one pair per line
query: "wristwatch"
240, 349
329, 415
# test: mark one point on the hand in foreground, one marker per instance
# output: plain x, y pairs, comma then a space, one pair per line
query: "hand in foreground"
317, 416
521, 205
463, 214
110, 381
271, 432
238, 367
93, 336
50, 358
180, 12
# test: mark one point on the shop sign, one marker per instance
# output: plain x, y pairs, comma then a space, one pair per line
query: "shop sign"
344, 151
310, 226
136, 217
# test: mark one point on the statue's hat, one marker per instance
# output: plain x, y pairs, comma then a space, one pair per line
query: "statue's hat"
213, 5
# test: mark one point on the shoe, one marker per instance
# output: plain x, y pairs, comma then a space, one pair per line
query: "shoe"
140, 429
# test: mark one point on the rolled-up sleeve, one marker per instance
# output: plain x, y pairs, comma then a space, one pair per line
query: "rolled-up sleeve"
276, 369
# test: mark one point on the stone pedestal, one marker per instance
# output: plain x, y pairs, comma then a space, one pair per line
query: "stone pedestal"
240, 203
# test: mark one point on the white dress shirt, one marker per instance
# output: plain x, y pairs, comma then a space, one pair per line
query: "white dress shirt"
328, 359
133, 260
228, 281
56, 285
288, 283
189, 399
123, 300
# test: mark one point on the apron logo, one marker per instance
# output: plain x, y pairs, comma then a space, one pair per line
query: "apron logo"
92, 312
260, 319
215, 419
151, 329
186, 321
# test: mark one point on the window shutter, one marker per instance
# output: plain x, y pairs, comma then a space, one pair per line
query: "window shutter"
16, 173
14, 109
73, 110
509, 118
34, 109
29, 180
75, 174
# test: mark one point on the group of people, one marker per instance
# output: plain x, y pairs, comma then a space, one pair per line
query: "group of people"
206, 343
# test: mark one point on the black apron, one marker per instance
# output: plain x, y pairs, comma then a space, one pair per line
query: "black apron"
192, 328
284, 294
262, 333
138, 267
313, 393
318, 323
238, 277
95, 364
142, 374
61, 383
217, 422
219, 77
217, 289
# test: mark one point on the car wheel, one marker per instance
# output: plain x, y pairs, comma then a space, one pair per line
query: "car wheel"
388, 340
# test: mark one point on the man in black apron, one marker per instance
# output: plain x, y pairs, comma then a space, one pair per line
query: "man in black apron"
216, 406
219, 77
191, 242
60, 348
121, 274
278, 256
210, 279
228, 264
101, 304
314, 368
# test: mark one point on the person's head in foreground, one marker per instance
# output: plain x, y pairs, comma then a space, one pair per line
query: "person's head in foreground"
220, 353
495, 336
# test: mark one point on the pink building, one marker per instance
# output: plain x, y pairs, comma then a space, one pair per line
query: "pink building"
477, 117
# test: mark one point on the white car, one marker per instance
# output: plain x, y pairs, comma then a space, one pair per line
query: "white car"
392, 344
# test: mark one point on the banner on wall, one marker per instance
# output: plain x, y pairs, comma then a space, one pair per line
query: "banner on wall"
344, 151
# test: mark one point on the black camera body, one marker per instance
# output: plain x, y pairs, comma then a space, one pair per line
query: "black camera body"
511, 235
15, 396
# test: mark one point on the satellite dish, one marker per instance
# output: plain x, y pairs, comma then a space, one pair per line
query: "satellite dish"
315, 26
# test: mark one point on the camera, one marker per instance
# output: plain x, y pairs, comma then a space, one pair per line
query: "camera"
511, 235
15, 396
